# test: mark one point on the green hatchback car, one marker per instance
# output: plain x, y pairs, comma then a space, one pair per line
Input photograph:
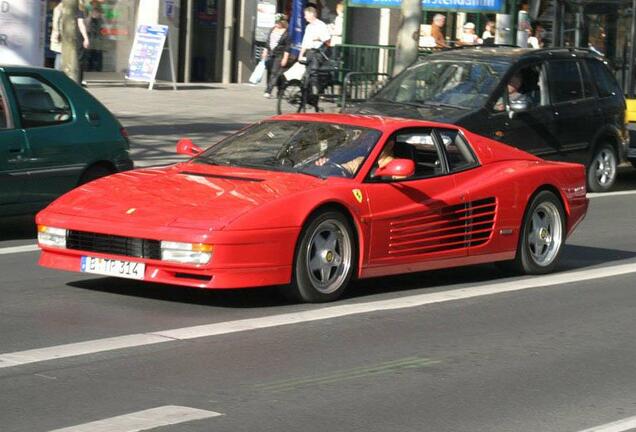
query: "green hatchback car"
54, 136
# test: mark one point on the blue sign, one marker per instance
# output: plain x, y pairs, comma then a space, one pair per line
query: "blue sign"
297, 25
455, 5
146, 52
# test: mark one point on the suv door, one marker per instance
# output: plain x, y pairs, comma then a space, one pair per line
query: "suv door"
528, 129
576, 114
12, 151
54, 160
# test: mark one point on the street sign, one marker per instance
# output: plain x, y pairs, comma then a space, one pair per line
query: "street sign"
454, 5
22, 32
146, 52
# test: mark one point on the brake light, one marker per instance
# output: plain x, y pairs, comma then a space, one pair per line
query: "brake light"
124, 132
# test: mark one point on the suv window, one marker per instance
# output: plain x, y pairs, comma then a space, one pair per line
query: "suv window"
39, 103
565, 78
605, 82
458, 153
527, 85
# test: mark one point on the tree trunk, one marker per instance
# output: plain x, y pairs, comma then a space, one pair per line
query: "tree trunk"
408, 35
70, 58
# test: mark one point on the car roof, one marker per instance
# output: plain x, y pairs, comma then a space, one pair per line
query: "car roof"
379, 122
20, 69
507, 54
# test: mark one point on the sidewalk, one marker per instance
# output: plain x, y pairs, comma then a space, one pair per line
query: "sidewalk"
156, 119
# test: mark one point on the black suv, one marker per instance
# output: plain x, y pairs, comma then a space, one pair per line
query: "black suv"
560, 104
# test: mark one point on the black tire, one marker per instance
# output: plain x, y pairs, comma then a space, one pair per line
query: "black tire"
603, 169
316, 286
633, 162
290, 98
528, 258
93, 173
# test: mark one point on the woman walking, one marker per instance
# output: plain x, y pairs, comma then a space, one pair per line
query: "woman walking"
276, 54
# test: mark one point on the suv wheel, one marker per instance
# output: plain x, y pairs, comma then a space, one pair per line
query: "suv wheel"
601, 173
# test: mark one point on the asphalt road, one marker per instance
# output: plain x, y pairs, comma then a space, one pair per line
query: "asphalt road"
555, 356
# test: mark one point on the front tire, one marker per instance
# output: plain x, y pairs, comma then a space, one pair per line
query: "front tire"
93, 173
601, 173
325, 258
542, 236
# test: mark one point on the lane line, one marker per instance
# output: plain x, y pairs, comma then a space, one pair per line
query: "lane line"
617, 426
18, 249
144, 420
610, 194
18, 358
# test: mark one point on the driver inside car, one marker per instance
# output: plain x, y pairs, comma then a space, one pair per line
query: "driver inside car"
352, 165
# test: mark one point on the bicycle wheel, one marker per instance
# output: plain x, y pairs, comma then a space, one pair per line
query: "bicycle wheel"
290, 98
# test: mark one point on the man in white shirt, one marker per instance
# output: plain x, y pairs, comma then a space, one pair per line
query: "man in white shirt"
316, 37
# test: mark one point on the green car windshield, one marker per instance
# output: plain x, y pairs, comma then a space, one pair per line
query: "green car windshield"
313, 148
461, 84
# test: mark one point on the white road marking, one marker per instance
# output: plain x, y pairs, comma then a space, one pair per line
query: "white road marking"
18, 358
617, 426
18, 249
143, 420
610, 194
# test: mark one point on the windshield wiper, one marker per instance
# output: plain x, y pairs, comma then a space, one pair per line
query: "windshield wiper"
210, 160
442, 104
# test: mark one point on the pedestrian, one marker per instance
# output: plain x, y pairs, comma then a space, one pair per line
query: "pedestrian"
312, 49
469, 37
336, 27
437, 31
94, 24
488, 36
276, 54
57, 32
535, 40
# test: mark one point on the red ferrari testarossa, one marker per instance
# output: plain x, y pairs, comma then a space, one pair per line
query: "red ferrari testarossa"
311, 201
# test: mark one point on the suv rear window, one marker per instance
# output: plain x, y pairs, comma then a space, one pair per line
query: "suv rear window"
565, 80
605, 82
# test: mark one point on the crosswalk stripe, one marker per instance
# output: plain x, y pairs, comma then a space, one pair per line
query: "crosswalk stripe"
623, 425
143, 420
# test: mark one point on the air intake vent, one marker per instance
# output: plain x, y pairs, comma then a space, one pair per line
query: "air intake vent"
220, 176
109, 244
453, 227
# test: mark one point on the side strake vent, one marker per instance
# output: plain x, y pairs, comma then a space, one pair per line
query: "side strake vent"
452, 227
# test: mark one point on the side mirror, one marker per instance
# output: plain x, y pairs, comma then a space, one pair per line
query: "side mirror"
397, 168
186, 147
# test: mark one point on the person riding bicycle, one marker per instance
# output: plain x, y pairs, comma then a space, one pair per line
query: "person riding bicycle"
315, 41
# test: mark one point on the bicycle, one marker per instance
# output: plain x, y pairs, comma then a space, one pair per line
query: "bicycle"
297, 95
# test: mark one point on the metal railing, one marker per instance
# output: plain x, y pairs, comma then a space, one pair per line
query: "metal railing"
359, 86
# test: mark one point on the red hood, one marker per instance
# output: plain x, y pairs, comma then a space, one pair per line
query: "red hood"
184, 195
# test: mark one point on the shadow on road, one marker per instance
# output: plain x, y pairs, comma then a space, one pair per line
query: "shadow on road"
17, 228
574, 258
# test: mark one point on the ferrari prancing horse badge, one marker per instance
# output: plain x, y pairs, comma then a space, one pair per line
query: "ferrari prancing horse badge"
357, 193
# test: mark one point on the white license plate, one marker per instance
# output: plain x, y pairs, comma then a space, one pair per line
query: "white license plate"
112, 267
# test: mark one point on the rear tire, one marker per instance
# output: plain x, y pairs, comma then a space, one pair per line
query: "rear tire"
93, 173
601, 173
325, 257
541, 238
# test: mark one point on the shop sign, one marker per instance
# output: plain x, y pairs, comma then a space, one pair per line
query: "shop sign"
454, 5
146, 52
22, 32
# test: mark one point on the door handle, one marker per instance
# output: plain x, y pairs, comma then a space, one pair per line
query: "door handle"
15, 150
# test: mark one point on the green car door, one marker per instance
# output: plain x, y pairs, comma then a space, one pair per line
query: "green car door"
13, 149
54, 161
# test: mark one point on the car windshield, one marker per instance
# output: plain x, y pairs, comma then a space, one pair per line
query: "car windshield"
462, 84
313, 148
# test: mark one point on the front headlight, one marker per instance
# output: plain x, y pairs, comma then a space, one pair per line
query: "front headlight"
187, 253
50, 236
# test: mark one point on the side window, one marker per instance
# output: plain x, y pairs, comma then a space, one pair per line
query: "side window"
526, 88
605, 82
419, 146
4, 119
39, 103
588, 89
458, 153
565, 80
